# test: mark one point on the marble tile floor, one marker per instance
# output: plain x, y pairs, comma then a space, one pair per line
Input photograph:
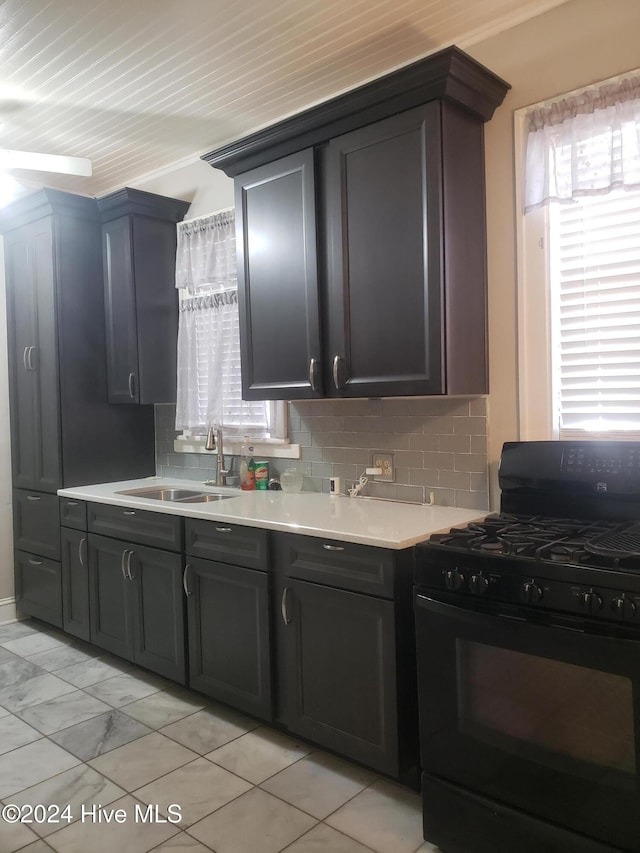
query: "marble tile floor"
143, 765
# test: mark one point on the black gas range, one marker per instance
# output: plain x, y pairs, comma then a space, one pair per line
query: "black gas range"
569, 565
528, 648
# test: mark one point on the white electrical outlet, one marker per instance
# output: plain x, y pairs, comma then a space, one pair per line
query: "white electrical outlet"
384, 461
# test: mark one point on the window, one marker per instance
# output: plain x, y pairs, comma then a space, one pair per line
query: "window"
209, 384
594, 253
579, 264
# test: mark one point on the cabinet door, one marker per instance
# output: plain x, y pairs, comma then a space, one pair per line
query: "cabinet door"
229, 645
338, 651
158, 611
38, 588
383, 201
278, 280
75, 583
109, 592
33, 357
36, 524
120, 312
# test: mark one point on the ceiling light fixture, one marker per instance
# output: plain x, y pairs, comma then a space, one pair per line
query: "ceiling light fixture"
32, 160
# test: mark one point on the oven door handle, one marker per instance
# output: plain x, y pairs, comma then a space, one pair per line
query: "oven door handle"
490, 611
465, 613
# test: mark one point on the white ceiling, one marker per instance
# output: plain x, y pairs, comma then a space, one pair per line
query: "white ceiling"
139, 85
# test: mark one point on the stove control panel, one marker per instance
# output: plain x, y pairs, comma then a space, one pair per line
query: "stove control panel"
583, 458
539, 592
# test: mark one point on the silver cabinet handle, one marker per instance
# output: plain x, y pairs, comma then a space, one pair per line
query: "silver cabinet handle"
131, 386
33, 562
129, 556
336, 372
128, 512
187, 591
30, 358
313, 363
224, 529
25, 359
283, 606
82, 542
333, 547
33, 497
124, 554
72, 503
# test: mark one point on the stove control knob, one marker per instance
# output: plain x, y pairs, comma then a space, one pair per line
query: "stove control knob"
532, 592
591, 601
453, 579
478, 584
623, 607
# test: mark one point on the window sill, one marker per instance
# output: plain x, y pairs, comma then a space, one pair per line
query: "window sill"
265, 449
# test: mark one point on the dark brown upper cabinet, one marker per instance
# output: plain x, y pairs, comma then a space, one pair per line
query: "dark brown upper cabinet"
361, 239
278, 294
140, 298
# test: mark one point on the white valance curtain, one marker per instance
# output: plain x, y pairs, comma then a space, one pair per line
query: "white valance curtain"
586, 144
206, 252
209, 380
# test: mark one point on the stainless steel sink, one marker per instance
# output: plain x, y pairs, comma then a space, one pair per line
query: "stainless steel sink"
201, 498
174, 494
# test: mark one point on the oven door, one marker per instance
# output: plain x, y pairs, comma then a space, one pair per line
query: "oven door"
541, 716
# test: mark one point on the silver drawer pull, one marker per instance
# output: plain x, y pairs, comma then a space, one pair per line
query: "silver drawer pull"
313, 363
33, 497
72, 503
185, 584
33, 562
128, 512
129, 556
224, 529
283, 606
333, 547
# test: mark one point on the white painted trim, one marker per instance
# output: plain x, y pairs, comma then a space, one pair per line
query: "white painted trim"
7, 610
232, 446
535, 409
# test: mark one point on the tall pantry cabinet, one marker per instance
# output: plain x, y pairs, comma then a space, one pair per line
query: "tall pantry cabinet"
63, 430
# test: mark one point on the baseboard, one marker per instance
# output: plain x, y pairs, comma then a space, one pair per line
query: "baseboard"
7, 610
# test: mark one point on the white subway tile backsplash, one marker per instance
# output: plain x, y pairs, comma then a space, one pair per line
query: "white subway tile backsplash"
439, 445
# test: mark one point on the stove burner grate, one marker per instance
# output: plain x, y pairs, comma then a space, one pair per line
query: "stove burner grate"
621, 543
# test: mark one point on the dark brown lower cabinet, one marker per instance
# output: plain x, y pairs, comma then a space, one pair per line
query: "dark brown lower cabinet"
38, 587
339, 655
136, 604
345, 650
75, 583
229, 637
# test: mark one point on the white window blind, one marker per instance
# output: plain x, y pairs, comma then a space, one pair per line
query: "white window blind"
595, 280
213, 318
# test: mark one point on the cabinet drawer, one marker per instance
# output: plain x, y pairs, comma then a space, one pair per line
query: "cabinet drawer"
38, 587
36, 523
144, 528
73, 513
343, 565
227, 543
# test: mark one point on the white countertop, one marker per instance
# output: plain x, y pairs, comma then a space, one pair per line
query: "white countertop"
385, 524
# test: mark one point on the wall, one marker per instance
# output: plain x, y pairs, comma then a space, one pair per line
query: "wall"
6, 535
574, 45
438, 445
